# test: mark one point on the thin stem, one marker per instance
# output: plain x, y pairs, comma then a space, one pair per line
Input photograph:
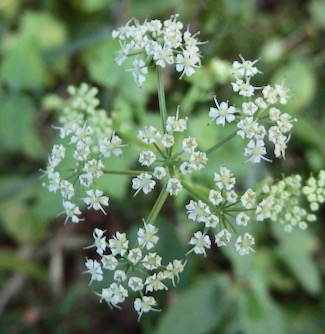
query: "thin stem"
194, 192
158, 205
223, 141
125, 172
161, 98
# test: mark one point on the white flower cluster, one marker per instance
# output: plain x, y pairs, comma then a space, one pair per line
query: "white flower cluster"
164, 162
224, 207
76, 164
258, 117
163, 43
287, 196
136, 269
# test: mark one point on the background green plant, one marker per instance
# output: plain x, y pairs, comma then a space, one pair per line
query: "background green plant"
46, 46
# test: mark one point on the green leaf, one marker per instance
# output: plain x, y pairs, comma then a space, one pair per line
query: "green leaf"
199, 309
17, 117
22, 66
295, 250
10, 261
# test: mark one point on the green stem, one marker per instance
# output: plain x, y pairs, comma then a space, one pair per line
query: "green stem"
125, 172
223, 141
157, 206
194, 192
161, 98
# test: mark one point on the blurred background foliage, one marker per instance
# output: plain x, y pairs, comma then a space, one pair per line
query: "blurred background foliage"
47, 45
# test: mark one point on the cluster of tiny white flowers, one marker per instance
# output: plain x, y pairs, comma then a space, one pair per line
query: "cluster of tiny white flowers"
258, 117
221, 215
163, 43
163, 162
288, 196
224, 207
133, 270
74, 165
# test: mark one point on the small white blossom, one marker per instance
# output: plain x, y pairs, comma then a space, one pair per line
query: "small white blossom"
222, 113
72, 211
151, 261
147, 158
144, 304
243, 244
143, 182
201, 242
95, 200
154, 282
147, 236
95, 270
111, 146
159, 172
118, 244
135, 255
222, 238
109, 262
174, 186
224, 179
135, 283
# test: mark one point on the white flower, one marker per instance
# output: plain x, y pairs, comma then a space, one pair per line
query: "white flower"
222, 113
118, 244
174, 269
248, 199
154, 282
243, 87
222, 238
249, 108
242, 219
263, 209
135, 255
198, 160
174, 124
167, 140
109, 262
243, 244
135, 283
139, 71
224, 179
151, 261
95, 270
215, 197
144, 304
94, 167
174, 186
197, 211
246, 68
201, 242
67, 189
147, 158
100, 241
114, 294
95, 200
255, 149
119, 276
247, 127
143, 182
109, 146
147, 236
149, 135
159, 172
189, 144
72, 211
57, 154
187, 62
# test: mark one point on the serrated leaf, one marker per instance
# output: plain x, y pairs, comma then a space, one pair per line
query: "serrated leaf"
199, 309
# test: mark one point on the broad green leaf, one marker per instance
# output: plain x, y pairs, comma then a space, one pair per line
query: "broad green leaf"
52, 33
10, 261
198, 310
17, 117
22, 66
295, 249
